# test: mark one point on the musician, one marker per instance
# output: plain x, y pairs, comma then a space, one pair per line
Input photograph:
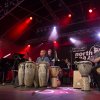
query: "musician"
30, 59
4, 70
18, 58
50, 56
43, 57
67, 63
66, 67
96, 75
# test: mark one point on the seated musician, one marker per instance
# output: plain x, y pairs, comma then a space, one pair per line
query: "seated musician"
43, 57
96, 75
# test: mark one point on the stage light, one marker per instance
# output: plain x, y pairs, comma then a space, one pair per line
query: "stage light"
54, 34
19, 29
69, 15
75, 41
25, 49
90, 10
7, 55
54, 27
31, 18
54, 42
29, 45
65, 21
72, 40
98, 34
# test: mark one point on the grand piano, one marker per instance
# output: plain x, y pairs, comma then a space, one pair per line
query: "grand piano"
7, 65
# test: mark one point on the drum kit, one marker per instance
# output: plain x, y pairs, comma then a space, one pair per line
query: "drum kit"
30, 73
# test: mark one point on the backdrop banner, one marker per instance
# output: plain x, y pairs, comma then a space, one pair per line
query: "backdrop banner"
85, 52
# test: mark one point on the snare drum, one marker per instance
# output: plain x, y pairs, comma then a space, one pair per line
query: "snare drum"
29, 73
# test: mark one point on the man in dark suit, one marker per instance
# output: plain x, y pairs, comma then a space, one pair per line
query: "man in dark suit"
96, 70
50, 56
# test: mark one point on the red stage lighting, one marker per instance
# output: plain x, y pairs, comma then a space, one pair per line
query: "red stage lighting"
31, 18
18, 29
65, 21
29, 45
54, 42
90, 10
69, 15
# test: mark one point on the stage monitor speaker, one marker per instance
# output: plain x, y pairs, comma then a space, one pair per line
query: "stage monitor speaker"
77, 80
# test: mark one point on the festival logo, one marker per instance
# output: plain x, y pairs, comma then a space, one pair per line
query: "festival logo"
85, 53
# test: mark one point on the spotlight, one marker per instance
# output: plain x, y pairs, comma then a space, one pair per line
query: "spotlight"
90, 10
98, 34
69, 15
54, 27
72, 40
31, 18
54, 42
7, 55
54, 34
29, 45
75, 41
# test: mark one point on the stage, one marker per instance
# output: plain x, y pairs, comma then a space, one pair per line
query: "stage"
8, 92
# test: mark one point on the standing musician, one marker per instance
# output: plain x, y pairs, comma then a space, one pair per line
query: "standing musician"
67, 63
43, 74
95, 72
50, 56
66, 66
43, 57
4, 67
18, 58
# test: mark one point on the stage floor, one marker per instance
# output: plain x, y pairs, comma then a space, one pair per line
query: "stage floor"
62, 93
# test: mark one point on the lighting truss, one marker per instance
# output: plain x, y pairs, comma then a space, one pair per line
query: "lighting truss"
6, 6
69, 34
